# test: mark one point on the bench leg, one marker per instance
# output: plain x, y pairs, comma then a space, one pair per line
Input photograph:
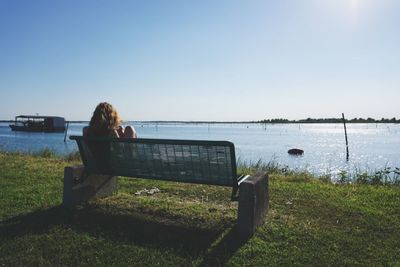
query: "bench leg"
253, 204
94, 186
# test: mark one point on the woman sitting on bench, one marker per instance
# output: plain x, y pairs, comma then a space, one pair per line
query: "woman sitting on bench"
106, 122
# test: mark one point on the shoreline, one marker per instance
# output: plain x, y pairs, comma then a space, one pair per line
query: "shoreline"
387, 175
316, 121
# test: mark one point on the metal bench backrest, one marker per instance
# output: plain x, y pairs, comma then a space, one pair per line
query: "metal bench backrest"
204, 162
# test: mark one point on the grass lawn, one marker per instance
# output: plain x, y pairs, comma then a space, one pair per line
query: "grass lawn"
310, 223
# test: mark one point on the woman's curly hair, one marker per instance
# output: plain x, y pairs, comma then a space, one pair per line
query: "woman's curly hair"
105, 120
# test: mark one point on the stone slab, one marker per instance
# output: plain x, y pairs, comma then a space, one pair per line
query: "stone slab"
93, 186
253, 204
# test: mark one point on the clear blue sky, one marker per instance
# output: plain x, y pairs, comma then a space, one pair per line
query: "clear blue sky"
201, 60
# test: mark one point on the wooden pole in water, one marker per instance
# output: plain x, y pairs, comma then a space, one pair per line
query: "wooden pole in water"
345, 135
66, 130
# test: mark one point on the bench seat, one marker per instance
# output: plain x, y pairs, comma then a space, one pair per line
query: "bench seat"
187, 161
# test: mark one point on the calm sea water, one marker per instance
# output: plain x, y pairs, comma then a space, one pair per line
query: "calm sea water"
372, 146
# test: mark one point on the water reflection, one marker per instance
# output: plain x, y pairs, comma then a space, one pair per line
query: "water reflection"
372, 146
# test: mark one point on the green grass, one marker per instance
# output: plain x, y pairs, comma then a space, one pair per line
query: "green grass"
310, 222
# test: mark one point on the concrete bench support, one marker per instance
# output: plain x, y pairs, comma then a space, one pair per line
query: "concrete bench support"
92, 187
253, 204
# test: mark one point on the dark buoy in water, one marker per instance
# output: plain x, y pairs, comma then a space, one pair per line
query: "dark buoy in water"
295, 152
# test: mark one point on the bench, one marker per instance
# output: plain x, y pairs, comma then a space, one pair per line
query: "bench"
185, 161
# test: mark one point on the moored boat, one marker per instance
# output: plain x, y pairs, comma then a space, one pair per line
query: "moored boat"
32, 123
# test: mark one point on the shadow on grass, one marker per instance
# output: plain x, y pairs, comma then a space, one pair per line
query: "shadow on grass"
128, 228
224, 249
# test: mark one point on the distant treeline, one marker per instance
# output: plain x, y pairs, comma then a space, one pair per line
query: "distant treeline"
332, 120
